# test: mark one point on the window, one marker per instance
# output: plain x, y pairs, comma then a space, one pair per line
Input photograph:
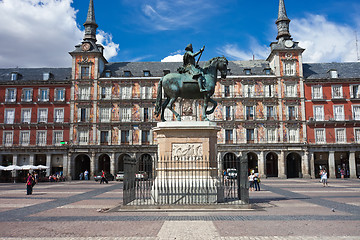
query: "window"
339, 113
58, 115
14, 76
125, 137
357, 135
9, 116
105, 114
107, 74
27, 95
127, 74
85, 72
25, 115
42, 115
83, 137
336, 91
145, 137
8, 138
46, 76
126, 92
320, 136
249, 113
41, 138
147, 74
146, 114
267, 71
57, 137
10, 95
250, 136
293, 135
146, 92
59, 94
104, 137
271, 135
226, 91
229, 136
269, 90
340, 135
83, 114
333, 74
43, 95
354, 91
84, 93
270, 113
105, 93
291, 90
289, 68
228, 113
317, 92
247, 71
24, 138
291, 113
356, 112
319, 113
249, 90
125, 114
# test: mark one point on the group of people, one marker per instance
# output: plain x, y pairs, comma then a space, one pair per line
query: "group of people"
31, 180
254, 181
84, 175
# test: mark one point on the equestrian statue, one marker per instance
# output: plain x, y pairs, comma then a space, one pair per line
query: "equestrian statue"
191, 82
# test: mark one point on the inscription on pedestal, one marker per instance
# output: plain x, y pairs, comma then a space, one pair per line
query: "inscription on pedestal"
184, 151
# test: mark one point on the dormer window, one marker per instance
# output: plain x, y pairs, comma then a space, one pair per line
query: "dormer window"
166, 72
46, 76
14, 76
146, 73
108, 74
127, 74
267, 71
247, 71
333, 73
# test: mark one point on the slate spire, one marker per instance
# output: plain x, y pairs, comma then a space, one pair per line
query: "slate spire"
283, 23
90, 24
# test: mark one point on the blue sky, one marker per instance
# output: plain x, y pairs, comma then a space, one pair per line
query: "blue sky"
41, 33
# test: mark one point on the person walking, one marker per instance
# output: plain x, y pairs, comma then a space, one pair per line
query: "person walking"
86, 174
257, 181
103, 178
251, 181
324, 177
29, 182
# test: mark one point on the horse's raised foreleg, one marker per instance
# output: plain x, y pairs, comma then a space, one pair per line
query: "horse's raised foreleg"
163, 107
172, 101
214, 106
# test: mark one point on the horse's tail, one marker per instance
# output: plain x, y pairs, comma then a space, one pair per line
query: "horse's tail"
158, 99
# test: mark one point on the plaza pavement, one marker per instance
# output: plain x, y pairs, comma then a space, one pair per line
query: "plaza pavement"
284, 209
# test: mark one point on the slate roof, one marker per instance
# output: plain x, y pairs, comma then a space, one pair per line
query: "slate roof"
346, 70
157, 68
35, 74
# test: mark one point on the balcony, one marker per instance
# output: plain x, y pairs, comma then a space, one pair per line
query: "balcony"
333, 141
317, 98
26, 121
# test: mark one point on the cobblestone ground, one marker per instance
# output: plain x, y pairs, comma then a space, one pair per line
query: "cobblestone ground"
286, 209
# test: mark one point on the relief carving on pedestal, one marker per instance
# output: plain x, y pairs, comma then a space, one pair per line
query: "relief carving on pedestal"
187, 151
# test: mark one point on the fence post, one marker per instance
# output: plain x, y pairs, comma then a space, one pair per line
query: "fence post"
243, 191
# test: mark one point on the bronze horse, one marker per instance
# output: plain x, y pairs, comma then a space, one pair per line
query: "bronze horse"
184, 86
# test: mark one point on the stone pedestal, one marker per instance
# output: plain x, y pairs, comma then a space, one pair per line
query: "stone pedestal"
187, 170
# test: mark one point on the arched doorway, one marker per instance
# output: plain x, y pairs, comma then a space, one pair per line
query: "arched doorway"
293, 165
104, 163
82, 163
145, 164
229, 161
121, 160
272, 165
252, 162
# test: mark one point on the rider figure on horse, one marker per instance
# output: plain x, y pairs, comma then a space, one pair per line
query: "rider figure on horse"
192, 68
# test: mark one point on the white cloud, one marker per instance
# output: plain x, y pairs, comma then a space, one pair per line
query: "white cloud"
111, 49
323, 40
38, 33
173, 58
233, 51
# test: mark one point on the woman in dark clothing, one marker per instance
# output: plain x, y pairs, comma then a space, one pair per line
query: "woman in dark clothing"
29, 182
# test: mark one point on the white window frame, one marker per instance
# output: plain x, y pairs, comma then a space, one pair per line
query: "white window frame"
105, 92
249, 90
10, 95
253, 113
291, 90
24, 95
337, 93
295, 115
84, 93
356, 114
289, 68
318, 112
42, 111
87, 114
25, 119
126, 92
271, 135
41, 137
83, 137
8, 138
293, 135
357, 135
354, 94
57, 139
59, 97
273, 113
320, 135
128, 136
146, 92
337, 115
269, 90
7, 118
24, 138
317, 94
125, 114
59, 118
340, 135
105, 114
41, 97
